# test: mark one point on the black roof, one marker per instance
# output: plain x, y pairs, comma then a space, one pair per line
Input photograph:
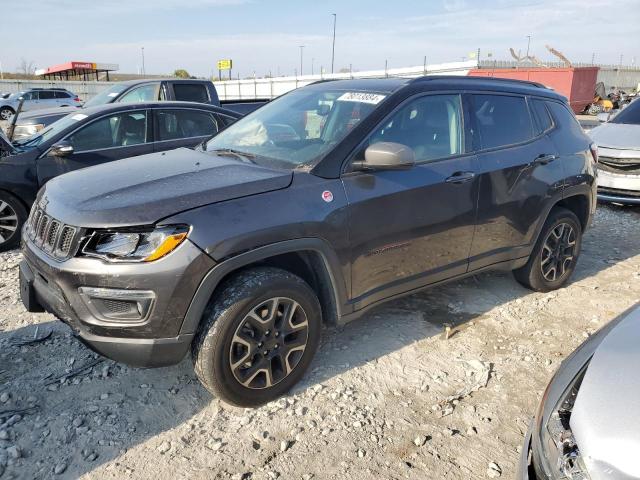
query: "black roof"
441, 82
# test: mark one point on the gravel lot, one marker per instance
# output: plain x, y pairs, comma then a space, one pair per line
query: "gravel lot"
387, 397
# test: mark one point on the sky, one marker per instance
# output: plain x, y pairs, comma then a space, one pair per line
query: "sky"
264, 36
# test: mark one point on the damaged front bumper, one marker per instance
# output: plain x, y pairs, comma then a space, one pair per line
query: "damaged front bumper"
131, 313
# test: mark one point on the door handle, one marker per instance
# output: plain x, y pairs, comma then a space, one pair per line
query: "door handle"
461, 177
544, 159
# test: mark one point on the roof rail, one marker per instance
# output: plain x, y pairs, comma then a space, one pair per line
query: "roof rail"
497, 79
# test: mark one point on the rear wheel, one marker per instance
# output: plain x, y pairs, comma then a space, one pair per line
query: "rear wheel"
12, 216
258, 336
555, 254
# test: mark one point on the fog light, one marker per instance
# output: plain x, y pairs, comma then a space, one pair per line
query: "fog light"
108, 304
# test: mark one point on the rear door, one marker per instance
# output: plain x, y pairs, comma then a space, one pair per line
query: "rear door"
519, 175
183, 127
412, 227
105, 139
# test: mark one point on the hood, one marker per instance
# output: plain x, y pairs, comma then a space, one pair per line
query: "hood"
143, 190
29, 116
606, 416
616, 135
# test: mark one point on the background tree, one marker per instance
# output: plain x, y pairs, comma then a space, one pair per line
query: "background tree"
181, 73
25, 68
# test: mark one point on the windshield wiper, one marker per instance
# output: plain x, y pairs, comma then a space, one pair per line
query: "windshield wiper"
230, 152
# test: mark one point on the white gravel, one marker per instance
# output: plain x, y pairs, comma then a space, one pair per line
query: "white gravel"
387, 396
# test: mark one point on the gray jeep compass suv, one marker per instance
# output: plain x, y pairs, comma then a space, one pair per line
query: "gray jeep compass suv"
309, 211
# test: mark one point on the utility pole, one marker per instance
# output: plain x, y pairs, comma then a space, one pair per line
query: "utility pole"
301, 50
143, 69
312, 61
333, 47
528, 43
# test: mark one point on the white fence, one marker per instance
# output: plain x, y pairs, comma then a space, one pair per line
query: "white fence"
248, 89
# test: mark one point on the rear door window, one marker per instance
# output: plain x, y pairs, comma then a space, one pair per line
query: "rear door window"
191, 92
501, 120
174, 124
62, 94
541, 115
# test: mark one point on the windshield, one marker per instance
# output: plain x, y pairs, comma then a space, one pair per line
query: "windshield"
51, 131
106, 96
299, 127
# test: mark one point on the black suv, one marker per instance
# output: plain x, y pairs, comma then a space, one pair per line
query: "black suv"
324, 203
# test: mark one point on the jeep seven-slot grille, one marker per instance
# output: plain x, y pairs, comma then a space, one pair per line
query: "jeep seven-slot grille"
50, 235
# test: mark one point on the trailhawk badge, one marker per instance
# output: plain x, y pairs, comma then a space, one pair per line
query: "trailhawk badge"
327, 196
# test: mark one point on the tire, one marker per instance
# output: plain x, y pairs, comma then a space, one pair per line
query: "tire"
13, 214
236, 354
6, 113
551, 252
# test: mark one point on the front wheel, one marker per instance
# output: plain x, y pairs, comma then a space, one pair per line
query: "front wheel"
555, 254
13, 214
258, 337
6, 113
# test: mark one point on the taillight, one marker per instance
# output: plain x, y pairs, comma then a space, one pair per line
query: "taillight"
76, 99
594, 152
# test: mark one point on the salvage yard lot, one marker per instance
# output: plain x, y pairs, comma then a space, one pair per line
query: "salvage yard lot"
374, 404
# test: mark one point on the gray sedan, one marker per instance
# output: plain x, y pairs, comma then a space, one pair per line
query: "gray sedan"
618, 143
588, 424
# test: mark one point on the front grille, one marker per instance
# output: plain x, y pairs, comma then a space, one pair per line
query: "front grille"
50, 235
622, 165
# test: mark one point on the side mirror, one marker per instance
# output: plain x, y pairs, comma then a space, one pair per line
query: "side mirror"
387, 156
604, 117
60, 149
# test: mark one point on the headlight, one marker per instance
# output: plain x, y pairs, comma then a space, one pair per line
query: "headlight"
135, 246
27, 130
560, 450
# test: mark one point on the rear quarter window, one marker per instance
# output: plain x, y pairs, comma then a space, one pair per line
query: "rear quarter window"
565, 119
190, 92
541, 116
501, 120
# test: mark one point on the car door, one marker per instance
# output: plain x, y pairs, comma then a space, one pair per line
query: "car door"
519, 175
409, 228
182, 127
107, 138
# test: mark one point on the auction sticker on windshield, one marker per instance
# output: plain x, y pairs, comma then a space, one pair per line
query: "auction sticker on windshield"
79, 116
361, 97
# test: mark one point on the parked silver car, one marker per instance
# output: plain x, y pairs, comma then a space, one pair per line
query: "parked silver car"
588, 423
618, 143
37, 98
